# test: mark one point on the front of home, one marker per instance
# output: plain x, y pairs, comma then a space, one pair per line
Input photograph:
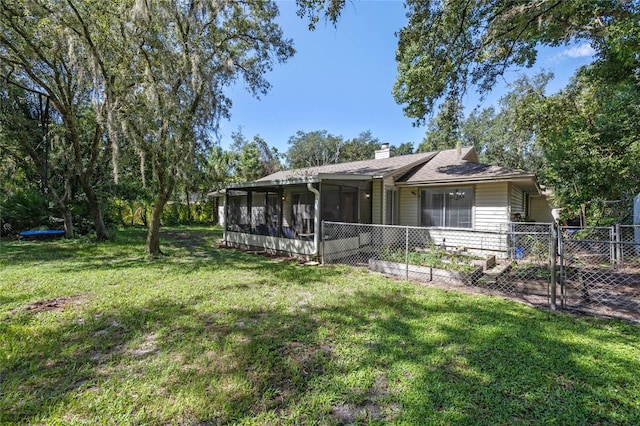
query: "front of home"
443, 190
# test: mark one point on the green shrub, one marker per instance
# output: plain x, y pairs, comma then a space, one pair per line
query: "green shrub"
25, 210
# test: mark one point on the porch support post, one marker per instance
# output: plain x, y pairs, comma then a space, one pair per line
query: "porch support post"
225, 216
280, 211
316, 218
250, 211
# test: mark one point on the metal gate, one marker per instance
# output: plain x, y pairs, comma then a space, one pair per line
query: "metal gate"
600, 270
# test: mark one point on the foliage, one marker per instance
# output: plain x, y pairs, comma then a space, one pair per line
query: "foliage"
41, 52
448, 46
433, 257
24, 210
31, 158
589, 135
362, 147
314, 9
219, 167
443, 131
507, 137
166, 70
248, 160
310, 149
147, 74
319, 148
100, 334
404, 148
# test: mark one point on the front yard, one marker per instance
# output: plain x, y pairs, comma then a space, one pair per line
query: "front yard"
98, 333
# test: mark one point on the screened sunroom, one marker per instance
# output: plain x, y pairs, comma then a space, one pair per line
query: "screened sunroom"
286, 217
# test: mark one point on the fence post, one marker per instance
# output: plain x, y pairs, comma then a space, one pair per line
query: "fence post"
618, 243
553, 252
406, 252
612, 247
322, 235
561, 248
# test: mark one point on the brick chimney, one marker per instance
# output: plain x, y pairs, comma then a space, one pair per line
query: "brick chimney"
384, 152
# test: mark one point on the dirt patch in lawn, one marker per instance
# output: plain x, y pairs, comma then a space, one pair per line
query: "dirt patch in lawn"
375, 407
186, 238
57, 304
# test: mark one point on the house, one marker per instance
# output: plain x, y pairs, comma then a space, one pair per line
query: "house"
443, 190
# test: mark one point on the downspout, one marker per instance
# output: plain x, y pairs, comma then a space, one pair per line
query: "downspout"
316, 218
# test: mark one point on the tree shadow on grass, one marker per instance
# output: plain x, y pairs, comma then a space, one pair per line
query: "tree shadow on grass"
188, 252
385, 355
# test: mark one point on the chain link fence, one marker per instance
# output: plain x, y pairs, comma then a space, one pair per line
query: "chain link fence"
527, 269
597, 269
600, 270
513, 259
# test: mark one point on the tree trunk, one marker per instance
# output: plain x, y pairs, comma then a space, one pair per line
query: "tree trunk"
68, 223
67, 215
166, 184
153, 236
186, 191
96, 212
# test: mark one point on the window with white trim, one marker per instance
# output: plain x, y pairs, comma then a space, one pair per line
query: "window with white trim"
449, 207
392, 206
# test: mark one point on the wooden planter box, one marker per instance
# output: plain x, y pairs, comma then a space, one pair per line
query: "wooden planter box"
425, 273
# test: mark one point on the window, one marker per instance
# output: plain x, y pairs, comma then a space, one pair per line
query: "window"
392, 207
450, 207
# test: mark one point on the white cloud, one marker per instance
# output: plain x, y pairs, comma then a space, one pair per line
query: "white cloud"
582, 51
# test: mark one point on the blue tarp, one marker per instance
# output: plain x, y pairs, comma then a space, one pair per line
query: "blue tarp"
42, 232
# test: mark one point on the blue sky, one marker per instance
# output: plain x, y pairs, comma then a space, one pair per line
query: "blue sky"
340, 79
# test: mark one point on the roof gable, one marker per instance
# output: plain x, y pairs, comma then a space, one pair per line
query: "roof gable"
370, 168
449, 166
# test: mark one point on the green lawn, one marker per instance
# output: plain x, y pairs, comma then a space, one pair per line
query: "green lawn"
98, 333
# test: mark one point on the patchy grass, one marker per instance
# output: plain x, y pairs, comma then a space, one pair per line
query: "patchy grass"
99, 333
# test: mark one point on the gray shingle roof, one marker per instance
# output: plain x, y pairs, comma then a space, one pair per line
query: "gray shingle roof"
448, 166
379, 167
426, 168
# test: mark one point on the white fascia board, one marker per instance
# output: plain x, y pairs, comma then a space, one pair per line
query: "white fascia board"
343, 176
529, 179
281, 182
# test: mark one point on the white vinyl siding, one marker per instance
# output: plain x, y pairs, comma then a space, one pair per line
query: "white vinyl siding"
539, 209
384, 185
376, 207
517, 201
492, 206
409, 206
